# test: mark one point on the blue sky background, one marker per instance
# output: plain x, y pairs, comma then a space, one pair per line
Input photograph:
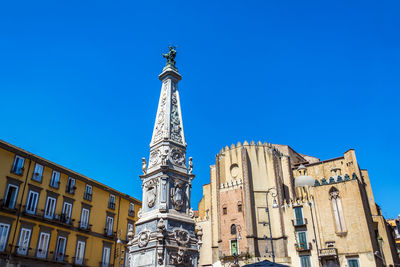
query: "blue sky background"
79, 82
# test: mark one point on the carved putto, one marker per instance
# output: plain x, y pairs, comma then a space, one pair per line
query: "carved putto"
164, 158
144, 165
190, 165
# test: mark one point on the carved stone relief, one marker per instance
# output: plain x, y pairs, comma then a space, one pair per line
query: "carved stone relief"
178, 157
176, 130
155, 156
159, 129
143, 238
178, 195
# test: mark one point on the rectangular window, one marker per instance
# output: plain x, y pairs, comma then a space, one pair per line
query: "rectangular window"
224, 210
109, 225
130, 227
84, 218
43, 245
80, 252
305, 261
24, 238
106, 257
111, 202
31, 202
11, 196
70, 186
37, 173
4, 230
131, 209
298, 215
88, 192
50, 207
66, 213
353, 262
55, 179
239, 207
60, 248
18, 166
302, 238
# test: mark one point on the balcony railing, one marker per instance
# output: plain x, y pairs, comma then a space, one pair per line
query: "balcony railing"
328, 252
303, 246
87, 196
80, 262
35, 253
105, 264
109, 233
299, 222
62, 219
70, 189
111, 205
83, 227
131, 213
9, 207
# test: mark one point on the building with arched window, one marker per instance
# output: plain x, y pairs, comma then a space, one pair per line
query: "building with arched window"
291, 208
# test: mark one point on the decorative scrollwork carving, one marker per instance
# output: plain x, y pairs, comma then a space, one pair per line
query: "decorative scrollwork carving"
182, 237
151, 196
176, 130
177, 157
155, 156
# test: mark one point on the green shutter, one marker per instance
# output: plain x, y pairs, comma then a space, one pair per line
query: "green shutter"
302, 240
353, 263
299, 215
305, 261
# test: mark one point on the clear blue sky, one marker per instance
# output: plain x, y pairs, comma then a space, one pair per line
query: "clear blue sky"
79, 85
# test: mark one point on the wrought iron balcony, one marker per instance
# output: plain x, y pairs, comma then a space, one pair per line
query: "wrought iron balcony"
87, 196
111, 205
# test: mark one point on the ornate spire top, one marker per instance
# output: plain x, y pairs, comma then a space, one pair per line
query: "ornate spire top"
168, 145
170, 57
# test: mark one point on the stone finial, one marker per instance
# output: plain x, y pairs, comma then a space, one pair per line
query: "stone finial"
238, 144
245, 143
144, 165
190, 165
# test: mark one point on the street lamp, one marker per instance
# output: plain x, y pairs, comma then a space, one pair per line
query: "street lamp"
274, 205
121, 251
238, 229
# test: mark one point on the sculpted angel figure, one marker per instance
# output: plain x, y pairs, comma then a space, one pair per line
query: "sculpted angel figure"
144, 165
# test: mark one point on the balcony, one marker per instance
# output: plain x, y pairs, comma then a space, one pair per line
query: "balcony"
8, 207
105, 264
85, 228
111, 205
299, 222
70, 189
18, 171
55, 185
80, 262
131, 213
303, 247
38, 255
60, 219
110, 234
87, 196
328, 252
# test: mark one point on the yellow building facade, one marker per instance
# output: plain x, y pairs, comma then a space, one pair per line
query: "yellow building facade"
268, 202
53, 216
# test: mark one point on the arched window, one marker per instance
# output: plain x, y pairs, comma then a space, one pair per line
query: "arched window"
337, 210
233, 229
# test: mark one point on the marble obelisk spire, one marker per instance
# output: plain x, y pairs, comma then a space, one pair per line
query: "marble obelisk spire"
165, 233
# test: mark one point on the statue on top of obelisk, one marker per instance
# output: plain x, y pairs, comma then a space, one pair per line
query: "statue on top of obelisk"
165, 232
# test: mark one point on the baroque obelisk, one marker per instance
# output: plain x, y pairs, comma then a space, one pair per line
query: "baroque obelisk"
165, 233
